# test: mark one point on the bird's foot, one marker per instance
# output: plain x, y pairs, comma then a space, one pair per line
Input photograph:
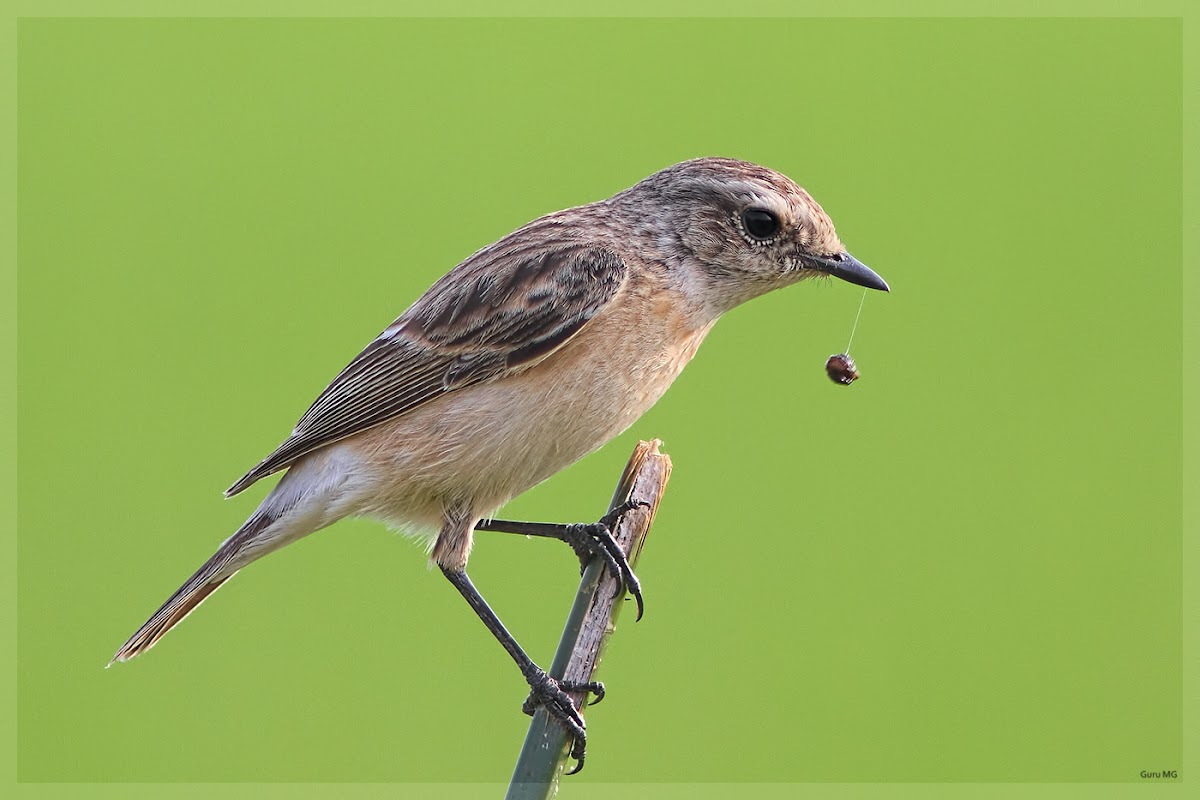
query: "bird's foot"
552, 695
596, 539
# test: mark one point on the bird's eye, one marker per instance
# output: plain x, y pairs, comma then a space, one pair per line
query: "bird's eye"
760, 224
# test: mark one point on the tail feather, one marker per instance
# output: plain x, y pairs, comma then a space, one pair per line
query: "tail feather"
304, 501
188, 597
173, 612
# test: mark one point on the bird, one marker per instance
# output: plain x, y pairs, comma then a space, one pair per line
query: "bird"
528, 355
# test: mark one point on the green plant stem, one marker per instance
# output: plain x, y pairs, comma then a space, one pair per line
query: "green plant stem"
590, 623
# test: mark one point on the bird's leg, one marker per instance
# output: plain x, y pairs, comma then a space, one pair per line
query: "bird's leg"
543, 689
588, 540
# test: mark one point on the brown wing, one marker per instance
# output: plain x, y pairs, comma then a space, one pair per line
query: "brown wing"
500, 311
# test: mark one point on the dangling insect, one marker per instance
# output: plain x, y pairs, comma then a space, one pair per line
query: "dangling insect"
841, 369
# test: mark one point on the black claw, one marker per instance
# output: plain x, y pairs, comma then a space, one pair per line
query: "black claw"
587, 687
588, 540
552, 695
596, 539
613, 517
625, 579
635, 589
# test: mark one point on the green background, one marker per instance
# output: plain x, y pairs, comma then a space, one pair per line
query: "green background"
964, 568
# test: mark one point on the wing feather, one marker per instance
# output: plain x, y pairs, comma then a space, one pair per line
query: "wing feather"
500, 311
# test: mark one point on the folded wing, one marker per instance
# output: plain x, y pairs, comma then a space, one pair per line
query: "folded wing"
500, 311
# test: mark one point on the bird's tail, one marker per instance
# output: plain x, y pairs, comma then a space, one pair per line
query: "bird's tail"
309, 497
221, 567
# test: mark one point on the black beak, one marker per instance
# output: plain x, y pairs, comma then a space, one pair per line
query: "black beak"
849, 269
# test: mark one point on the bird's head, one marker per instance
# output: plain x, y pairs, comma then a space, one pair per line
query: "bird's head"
746, 228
